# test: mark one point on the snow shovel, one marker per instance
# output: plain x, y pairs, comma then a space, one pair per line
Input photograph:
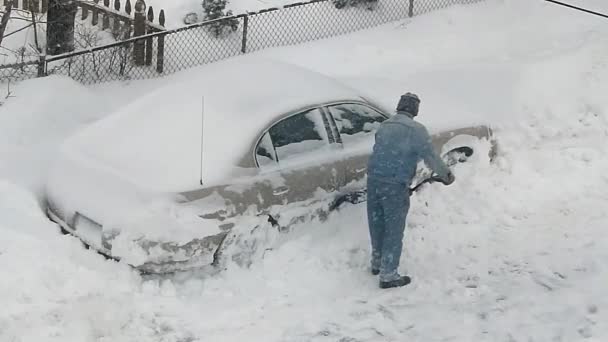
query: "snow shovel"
459, 155
452, 158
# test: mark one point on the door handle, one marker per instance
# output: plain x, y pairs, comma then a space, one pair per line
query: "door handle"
282, 190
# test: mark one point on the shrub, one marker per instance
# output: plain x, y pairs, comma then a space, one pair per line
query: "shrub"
216, 9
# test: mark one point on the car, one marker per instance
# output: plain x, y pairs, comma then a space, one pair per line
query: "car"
161, 183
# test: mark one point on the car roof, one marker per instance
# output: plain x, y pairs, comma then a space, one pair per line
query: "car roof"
265, 87
156, 140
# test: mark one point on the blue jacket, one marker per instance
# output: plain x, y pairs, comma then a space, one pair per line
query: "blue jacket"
400, 144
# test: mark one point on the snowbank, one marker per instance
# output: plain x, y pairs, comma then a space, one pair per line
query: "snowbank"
513, 251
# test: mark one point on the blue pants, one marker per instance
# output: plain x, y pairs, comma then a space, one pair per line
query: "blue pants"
387, 207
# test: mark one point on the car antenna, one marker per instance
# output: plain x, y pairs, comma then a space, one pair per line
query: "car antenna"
202, 128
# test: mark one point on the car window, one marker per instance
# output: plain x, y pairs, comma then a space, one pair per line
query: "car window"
356, 123
264, 153
299, 136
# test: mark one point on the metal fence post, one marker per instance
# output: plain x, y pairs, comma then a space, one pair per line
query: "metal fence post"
160, 56
245, 27
160, 53
411, 11
42, 66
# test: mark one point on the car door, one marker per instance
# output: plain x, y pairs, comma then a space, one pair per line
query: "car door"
299, 154
356, 124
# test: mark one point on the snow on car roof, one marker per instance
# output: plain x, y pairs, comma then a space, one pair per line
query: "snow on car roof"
156, 140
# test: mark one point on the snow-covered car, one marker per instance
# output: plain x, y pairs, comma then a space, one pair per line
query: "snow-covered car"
160, 183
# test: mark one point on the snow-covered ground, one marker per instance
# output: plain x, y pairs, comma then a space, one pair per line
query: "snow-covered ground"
513, 251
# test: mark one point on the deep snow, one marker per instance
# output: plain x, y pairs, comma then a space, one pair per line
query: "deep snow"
513, 251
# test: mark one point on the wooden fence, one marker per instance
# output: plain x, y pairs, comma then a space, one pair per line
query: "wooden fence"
36, 6
111, 14
119, 21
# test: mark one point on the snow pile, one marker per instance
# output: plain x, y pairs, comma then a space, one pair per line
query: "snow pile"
39, 114
34, 121
513, 251
173, 113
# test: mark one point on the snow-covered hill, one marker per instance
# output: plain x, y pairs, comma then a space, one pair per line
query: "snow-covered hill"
513, 251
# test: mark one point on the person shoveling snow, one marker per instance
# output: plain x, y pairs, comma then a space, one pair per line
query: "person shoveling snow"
400, 144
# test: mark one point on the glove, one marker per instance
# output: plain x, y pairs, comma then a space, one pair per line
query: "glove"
449, 179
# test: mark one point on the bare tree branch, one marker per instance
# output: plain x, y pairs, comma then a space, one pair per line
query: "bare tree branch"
9, 94
19, 30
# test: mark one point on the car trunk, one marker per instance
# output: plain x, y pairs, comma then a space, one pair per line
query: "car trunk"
121, 218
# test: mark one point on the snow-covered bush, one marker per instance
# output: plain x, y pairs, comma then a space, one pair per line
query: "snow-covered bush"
216, 9
354, 3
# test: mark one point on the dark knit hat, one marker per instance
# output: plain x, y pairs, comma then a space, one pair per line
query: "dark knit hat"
409, 103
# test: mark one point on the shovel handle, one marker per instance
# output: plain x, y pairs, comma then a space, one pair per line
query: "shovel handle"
431, 179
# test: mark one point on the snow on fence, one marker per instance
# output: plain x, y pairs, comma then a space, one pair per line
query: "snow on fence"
170, 51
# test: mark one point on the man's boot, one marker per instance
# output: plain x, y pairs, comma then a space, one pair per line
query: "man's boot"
404, 280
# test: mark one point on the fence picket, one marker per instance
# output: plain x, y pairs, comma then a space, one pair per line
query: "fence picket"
95, 14
161, 18
35, 6
150, 40
106, 16
139, 46
116, 23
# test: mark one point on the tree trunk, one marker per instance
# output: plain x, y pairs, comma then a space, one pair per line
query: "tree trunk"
60, 26
5, 18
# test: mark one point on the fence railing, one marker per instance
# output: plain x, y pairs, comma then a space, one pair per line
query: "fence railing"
174, 50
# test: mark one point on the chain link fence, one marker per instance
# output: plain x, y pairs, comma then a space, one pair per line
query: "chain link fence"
170, 51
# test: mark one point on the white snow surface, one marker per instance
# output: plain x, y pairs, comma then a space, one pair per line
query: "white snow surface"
156, 141
513, 251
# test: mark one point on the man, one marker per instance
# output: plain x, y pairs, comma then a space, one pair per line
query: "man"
400, 144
